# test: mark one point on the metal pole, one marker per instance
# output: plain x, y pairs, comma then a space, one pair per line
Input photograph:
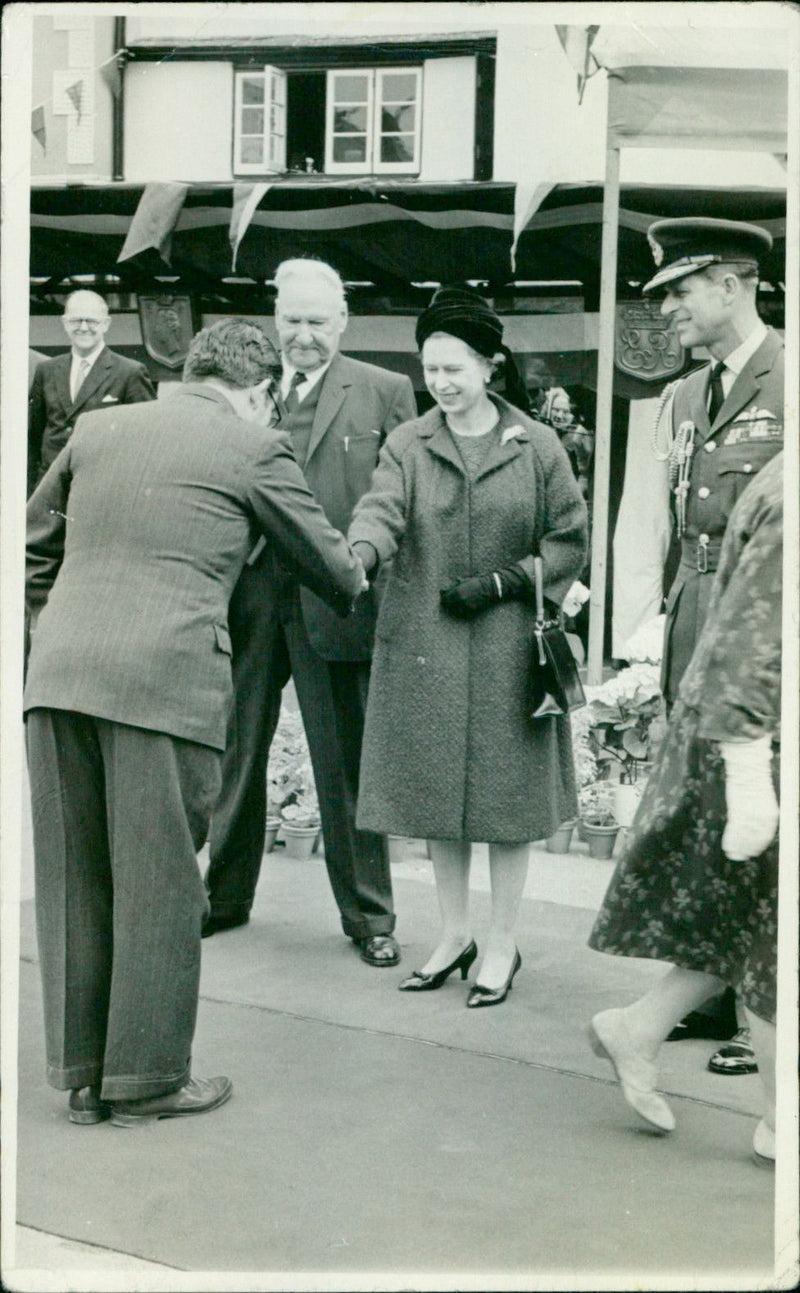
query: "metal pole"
602, 441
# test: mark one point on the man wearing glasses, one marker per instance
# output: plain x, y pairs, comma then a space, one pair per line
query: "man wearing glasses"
90, 377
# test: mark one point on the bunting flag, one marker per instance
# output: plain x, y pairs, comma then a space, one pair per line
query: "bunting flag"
154, 220
246, 198
111, 74
577, 45
38, 127
75, 96
527, 200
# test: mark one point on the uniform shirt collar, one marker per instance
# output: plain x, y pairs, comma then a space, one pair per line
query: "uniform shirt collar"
736, 360
310, 382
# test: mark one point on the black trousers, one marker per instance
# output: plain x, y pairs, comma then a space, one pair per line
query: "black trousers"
270, 645
119, 814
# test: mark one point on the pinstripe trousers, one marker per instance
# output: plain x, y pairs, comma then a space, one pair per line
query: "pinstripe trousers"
118, 816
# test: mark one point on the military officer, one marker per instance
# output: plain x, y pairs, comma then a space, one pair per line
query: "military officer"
718, 427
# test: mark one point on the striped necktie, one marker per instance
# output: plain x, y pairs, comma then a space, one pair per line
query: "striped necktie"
83, 373
292, 401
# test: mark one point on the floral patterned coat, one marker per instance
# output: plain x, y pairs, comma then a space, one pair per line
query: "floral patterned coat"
675, 896
449, 750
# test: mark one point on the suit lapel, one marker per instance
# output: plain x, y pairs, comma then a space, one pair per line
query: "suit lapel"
335, 385
61, 374
97, 374
440, 441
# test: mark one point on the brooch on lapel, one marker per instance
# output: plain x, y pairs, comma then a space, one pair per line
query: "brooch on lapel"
512, 433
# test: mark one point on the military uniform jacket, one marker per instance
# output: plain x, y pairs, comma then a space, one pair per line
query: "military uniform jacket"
746, 434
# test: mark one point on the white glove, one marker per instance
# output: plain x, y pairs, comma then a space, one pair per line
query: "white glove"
753, 810
577, 595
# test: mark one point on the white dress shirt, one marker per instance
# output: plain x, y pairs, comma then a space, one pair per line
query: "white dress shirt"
308, 384
75, 368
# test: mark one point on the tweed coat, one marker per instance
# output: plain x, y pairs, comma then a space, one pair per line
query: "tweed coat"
52, 412
136, 537
747, 432
449, 751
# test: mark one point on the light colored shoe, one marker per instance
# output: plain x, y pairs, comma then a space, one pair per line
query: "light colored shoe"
610, 1038
764, 1145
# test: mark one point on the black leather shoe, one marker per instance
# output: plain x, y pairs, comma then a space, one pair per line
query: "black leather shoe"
737, 1058
199, 1095
86, 1107
481, 996
216, 924
380, 949
719, 1026
419, 982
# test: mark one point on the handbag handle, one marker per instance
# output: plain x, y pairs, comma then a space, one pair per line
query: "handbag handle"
538, 575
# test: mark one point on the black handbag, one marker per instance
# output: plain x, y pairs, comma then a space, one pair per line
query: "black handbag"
555, 687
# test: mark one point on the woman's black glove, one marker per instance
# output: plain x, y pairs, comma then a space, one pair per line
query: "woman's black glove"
469, 597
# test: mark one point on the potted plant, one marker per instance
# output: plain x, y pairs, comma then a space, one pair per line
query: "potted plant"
599, 826
620, 716
290, 786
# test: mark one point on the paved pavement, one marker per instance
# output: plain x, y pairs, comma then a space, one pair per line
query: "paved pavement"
380, 1140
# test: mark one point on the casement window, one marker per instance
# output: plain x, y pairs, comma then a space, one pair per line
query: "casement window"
372, 121
259, 135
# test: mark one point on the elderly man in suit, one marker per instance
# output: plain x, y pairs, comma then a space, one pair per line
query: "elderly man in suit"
137, 535
338, 412
90, 377
719, 426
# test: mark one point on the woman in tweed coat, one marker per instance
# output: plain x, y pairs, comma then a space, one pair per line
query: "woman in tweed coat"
460, 501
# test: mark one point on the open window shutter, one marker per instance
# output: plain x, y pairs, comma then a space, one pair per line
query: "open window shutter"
275, 87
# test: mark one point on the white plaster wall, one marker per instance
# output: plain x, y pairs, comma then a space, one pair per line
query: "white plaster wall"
448, 119
178, 121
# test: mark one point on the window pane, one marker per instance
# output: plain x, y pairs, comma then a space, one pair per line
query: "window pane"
402, 119
399, 87
349, 148
350, 89
252, 150
397, 148
348, 120
252, 90
252, 121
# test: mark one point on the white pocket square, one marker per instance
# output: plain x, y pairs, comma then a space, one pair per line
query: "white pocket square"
109, 399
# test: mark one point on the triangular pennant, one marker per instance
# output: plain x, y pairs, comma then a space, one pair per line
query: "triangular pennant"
246, 199
111, 75
38, 126
527, 200
75, 96
154, 220
577, 44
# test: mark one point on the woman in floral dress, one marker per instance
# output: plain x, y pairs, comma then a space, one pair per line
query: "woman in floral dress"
698, 883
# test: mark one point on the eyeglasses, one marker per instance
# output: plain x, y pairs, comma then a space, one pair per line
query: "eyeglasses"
90, 323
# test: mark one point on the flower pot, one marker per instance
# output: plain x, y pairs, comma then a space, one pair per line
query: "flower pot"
273, 826
299, 841
559, 841
626, 801
601, 839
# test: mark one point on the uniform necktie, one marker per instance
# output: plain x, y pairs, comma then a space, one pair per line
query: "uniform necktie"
83, 372
292, 400
717, 393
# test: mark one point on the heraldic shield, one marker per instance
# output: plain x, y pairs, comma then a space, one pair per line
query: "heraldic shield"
645, 342
167, 328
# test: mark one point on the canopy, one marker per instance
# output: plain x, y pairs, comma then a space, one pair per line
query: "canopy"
389, 233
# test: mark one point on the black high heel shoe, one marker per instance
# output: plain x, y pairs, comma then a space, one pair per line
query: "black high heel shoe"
419, 982
481, 996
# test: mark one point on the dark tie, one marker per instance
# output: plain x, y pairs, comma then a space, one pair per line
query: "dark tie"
717, 393
292, 401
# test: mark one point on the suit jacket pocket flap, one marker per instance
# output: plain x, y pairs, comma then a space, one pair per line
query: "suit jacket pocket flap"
223, 639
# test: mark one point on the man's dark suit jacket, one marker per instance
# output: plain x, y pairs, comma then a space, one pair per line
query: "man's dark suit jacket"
113, 379
359, 404
136, 537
